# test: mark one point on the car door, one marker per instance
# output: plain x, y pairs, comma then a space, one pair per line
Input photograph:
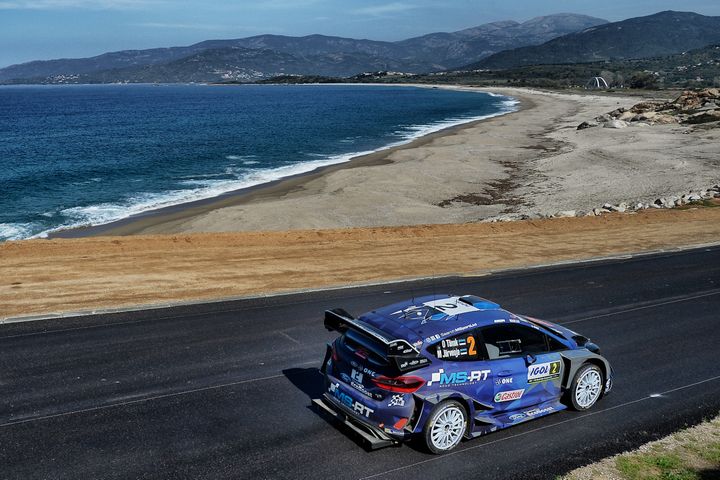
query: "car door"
524, 372
462, 367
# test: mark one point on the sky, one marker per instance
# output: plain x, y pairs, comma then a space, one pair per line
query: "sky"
45, 29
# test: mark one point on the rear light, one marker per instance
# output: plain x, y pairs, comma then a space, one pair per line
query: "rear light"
399, 384
334, 354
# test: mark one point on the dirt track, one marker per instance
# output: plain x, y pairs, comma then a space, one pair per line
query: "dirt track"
50, 276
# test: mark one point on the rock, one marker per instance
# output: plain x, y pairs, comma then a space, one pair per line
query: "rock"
585, 125
607, 206
597, 212
626, 117
694, 197
655, 205
644, 117
566, 214
619, 208
704, 117
659, 202
665, 119
640, 206
644, 107
604, 118
617, 124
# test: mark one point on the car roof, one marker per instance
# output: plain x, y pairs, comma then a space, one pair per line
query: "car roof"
430, 318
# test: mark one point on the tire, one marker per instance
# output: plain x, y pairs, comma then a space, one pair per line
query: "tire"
586, 388
445, 427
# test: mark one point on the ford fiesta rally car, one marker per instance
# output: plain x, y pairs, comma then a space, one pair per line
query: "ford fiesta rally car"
444, 368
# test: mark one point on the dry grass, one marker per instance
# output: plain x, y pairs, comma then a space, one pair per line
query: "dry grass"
51, 276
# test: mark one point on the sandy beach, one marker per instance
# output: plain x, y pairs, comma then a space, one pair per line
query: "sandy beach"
532, 162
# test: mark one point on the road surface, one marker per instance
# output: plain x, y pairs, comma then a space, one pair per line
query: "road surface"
223, 390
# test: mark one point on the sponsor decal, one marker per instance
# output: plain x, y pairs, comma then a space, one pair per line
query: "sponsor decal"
503, 380
348, 401
509, 396
361, 388
451, 306
516, 417
499, 320
357, 376
538, 411
413, 363
458, 378
362, 369
432, 338
397, 401
543, 372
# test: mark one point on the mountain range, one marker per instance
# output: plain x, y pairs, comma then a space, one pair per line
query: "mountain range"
561, 39
665, 33
264, 56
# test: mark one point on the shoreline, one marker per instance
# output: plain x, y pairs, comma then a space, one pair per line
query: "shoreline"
136, 223
530, 163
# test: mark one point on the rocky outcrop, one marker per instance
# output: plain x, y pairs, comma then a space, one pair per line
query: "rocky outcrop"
690, 108
697, 197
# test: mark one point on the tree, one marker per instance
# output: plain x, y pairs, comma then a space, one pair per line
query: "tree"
644, 80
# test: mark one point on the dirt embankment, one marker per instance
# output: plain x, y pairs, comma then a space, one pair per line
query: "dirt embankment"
51, 276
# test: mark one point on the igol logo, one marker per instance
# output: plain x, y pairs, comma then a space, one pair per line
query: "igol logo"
543, 371
458, 378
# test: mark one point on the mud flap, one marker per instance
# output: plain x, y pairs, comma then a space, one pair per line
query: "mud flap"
373, 438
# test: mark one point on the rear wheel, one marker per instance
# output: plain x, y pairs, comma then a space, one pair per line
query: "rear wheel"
446, 427
586, 387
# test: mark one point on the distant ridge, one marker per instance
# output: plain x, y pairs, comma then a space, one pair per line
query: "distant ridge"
265, 56
661, 34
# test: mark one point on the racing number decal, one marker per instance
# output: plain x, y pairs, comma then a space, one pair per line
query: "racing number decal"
471, 346
554, 368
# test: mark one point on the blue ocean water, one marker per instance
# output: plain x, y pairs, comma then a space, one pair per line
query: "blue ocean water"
88, 155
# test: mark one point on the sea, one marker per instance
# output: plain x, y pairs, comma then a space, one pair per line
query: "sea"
83, 155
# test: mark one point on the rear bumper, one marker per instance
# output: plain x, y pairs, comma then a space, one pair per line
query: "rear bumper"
372, 436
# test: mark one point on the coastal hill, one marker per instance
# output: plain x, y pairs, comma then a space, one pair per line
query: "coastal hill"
265, 56
662, 34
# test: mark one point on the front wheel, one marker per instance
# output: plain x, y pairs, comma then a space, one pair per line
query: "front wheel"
445, 427
586, 387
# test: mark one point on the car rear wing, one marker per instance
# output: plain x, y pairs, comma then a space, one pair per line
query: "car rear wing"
405, 356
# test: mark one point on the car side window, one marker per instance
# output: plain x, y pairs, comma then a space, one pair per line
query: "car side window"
460, 348
503, 341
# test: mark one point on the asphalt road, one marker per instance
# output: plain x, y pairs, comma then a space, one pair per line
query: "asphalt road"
223, 390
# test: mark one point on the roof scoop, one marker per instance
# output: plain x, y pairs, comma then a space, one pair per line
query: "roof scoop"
479, 303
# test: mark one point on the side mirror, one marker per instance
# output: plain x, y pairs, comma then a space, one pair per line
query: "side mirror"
530, 359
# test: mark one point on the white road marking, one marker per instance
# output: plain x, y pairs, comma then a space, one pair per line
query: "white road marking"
579, 417
644, 307
147, 399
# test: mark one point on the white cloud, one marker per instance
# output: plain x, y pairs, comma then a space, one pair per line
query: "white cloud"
379, 10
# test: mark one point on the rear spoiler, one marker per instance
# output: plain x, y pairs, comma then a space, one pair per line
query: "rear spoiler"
405, 355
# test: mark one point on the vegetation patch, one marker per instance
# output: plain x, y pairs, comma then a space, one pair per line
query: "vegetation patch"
692, 454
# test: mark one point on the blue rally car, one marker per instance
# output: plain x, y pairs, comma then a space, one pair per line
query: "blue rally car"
444, 368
